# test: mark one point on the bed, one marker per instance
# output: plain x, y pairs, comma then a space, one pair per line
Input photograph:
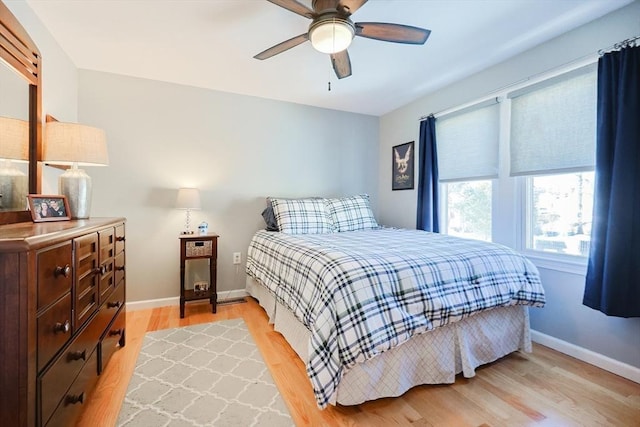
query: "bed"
374, 311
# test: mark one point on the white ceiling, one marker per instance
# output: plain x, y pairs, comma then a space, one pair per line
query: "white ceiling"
211, 44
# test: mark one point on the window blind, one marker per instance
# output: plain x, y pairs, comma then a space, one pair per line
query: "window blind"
468, 143
553, 125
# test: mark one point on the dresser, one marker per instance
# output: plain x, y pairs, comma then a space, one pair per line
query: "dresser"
62, 311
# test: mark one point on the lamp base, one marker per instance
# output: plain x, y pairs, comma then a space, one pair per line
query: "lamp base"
75, 184
14, 188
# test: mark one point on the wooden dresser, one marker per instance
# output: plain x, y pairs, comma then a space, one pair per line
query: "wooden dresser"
62, 315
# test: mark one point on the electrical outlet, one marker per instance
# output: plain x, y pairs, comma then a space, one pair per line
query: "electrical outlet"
237, 257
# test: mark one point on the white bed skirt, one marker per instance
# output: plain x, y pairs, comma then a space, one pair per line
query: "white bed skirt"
434, 357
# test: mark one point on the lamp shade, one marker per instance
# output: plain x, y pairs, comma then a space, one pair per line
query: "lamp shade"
14, 139
69, 143
188, 198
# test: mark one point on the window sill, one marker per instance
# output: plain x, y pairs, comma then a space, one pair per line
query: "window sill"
558, 262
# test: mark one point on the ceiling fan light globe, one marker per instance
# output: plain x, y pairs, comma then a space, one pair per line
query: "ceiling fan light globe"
331, 36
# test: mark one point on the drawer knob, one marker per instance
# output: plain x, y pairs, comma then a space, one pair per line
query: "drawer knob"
73, 399
114, 304
120, 239
115, 332
77, 355
62, 271
62, 327
121, 268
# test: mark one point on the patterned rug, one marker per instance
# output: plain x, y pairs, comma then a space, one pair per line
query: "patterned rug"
203, 375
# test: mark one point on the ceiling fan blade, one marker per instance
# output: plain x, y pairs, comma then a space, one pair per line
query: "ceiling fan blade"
281, 47
295, 7
350, 6
392, 32
341, 64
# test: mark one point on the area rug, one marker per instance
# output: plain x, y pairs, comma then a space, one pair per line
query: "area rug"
203, 375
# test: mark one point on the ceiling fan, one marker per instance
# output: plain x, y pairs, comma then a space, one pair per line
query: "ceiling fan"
332, 30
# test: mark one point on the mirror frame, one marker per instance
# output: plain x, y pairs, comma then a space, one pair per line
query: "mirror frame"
21, 54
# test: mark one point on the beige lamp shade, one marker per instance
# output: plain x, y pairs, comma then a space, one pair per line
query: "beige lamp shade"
14, 139
69, 143
188, 198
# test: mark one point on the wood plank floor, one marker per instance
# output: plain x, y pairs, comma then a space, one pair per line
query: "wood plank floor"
544, 388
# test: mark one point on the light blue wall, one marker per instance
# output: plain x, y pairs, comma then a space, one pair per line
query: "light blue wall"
236, 149
564, 317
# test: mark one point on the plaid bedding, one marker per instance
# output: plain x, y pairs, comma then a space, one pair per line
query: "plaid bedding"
363, 292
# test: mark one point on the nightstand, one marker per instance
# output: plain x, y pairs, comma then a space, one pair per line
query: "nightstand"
199, 247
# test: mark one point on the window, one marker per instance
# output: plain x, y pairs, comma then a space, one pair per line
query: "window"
468, 209
468, 143
559, 214
552, 144
518, 169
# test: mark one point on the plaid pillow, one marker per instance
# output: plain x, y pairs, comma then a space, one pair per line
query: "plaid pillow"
301, 216
351, 213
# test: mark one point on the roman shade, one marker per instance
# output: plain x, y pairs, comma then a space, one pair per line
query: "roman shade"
553, 125
468, 143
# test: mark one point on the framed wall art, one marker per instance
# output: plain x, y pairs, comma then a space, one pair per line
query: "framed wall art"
48, 207
402, 163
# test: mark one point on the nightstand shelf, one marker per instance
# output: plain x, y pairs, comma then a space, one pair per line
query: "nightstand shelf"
193, 247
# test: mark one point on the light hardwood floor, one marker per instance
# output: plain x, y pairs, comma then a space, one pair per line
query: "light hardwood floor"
544, 388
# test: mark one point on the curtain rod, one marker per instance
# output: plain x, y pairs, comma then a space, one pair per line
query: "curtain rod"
628, 42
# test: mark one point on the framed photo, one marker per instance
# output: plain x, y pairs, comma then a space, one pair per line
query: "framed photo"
402, 166
201, 287
48, 207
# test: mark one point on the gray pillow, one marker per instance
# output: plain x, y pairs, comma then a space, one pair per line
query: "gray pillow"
269, 217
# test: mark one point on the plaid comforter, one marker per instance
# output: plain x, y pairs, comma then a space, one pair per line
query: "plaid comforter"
363, 292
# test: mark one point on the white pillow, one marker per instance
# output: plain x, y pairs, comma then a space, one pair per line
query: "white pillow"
351, 213
301, 216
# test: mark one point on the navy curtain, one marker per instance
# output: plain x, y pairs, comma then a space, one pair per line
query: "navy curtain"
613, 274
428, 177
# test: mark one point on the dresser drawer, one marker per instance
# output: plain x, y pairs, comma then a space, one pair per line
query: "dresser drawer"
59, 376
113, 339
120, 239
54, 274
76, 396
109, 309
54, 330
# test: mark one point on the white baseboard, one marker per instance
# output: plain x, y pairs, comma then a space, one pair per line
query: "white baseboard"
608, 364
166, 302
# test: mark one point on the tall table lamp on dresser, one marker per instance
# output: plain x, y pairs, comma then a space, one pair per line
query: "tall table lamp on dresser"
74, 145
14, 146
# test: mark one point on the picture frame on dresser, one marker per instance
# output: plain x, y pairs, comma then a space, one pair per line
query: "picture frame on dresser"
48, 207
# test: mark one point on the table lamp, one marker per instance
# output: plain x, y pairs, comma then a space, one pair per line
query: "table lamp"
14, 146
75, 145
188, 198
